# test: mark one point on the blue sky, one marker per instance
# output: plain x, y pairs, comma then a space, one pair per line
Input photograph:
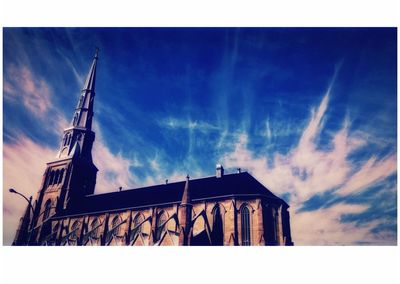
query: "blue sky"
311, 113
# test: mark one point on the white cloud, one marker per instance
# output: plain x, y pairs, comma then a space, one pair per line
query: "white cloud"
175, 123
80, 78
314, 126
324, 227
371, 172
154, 164
25, 160
24, 163
159, 172
268, 132
303, 172
22, 85
307, 170
113, 168
60, 124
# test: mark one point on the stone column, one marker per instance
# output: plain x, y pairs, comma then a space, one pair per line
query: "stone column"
185, 220
229, 224
153, 226
259, 238
279, 230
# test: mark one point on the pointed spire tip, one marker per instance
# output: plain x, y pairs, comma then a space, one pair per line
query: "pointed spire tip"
96, 55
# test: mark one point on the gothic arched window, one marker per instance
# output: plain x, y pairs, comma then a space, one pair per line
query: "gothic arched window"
116, 221
51, 179
94, 227
245, 224
217, 233
80, 101
74, 230
160, 224
136, 228
61, 176
69, 139
76, 119
56, 176
47, 208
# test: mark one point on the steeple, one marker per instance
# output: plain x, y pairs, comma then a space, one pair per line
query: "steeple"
72, 174
84, 110
91, 77
78, 138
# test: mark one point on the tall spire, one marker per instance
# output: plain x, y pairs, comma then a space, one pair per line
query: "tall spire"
78, 138
84, 110
91, 77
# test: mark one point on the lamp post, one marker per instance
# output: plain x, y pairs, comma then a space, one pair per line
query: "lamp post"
12, 190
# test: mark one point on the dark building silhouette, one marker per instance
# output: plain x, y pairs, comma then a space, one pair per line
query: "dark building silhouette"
225, 209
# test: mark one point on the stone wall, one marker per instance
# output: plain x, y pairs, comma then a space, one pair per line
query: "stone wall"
160, 225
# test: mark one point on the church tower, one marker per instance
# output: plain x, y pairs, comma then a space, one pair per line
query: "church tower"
72, 174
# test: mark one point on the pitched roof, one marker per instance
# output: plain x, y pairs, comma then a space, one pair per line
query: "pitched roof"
240, 184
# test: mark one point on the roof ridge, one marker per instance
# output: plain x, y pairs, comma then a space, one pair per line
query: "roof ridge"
165, 184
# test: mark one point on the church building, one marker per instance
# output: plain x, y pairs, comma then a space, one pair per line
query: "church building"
226, 209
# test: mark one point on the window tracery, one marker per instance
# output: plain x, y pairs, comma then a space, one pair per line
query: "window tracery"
94, 227
160, 225
245, 226
137, 230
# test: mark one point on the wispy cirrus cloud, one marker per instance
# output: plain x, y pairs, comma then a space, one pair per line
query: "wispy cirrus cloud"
309, 170
371, 172
22, 86
175, 123
79, 77
246, 104
113, 168
325, 227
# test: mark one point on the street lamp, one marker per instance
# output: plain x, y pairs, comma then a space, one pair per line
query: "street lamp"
12, 190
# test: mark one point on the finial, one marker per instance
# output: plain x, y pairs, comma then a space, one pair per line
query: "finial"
96, 55
186, 193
